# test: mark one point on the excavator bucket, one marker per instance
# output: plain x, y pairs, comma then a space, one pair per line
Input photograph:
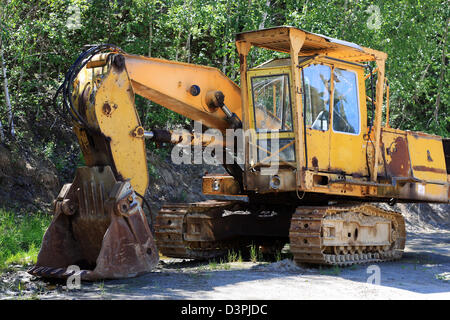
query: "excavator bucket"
100, 228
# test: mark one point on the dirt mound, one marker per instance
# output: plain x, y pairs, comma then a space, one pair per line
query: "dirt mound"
423, 217
285, 265
26, 182
169, 183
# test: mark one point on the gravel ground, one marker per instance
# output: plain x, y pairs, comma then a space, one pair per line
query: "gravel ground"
422, 273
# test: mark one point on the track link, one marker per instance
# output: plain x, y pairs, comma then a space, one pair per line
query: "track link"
306, 237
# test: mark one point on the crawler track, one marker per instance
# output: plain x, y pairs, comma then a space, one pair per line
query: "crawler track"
171, 230
307, 238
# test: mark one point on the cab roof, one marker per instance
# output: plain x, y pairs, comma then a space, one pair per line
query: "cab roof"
279, 39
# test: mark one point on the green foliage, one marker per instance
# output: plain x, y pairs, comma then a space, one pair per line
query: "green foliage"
41, 40
49, 149
330, 271
21, 237
212, 264
81, 161
255, 254
234, 256
221, 265
278, 255
152, 170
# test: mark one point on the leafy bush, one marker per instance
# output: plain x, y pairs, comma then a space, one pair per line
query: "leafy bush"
21, 237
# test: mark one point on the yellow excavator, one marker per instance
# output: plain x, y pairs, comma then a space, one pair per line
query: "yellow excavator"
315, 153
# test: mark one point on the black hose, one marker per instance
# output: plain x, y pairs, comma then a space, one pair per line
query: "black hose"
66, 87
371, 94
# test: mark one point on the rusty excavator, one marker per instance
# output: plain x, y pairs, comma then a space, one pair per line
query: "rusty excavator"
317, 114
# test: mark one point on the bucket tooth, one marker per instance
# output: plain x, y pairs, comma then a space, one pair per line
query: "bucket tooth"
98, 226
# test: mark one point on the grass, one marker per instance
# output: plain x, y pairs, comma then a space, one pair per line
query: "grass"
213, 264
255, 254
330, 271
234, 256
21, 237
278, 256
101, 287
221, 265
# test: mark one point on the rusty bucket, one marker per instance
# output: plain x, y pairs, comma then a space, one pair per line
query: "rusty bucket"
100, 227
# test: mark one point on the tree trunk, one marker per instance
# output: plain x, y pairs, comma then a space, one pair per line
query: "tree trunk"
150, 39
188, 48
224, 63
6, 91
441, 77
187, 7
264, 17
150, 31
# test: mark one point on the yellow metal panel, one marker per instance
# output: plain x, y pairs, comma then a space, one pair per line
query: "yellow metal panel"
296, 41
243, 49
348, 154
318, 149
380, 60
427, 157
127, 151
280, 135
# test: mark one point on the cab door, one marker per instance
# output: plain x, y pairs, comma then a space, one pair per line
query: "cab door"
348, 121
271, 120
316, 79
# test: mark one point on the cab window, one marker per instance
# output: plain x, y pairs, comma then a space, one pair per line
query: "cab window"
272, 103
316, 84
345, 103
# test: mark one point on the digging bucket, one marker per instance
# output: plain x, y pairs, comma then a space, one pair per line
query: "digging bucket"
100, 228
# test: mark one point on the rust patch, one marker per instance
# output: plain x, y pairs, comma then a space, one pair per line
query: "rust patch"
399, 165
106, 109
428, 169
315, 162
241, 59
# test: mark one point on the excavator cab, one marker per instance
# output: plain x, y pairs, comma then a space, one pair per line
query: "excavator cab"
271, 112
311, 107
318, 115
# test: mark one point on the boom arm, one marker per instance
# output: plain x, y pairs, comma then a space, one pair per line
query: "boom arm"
103, 95
175, 85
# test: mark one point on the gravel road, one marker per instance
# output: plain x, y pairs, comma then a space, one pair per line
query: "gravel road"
422, 273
